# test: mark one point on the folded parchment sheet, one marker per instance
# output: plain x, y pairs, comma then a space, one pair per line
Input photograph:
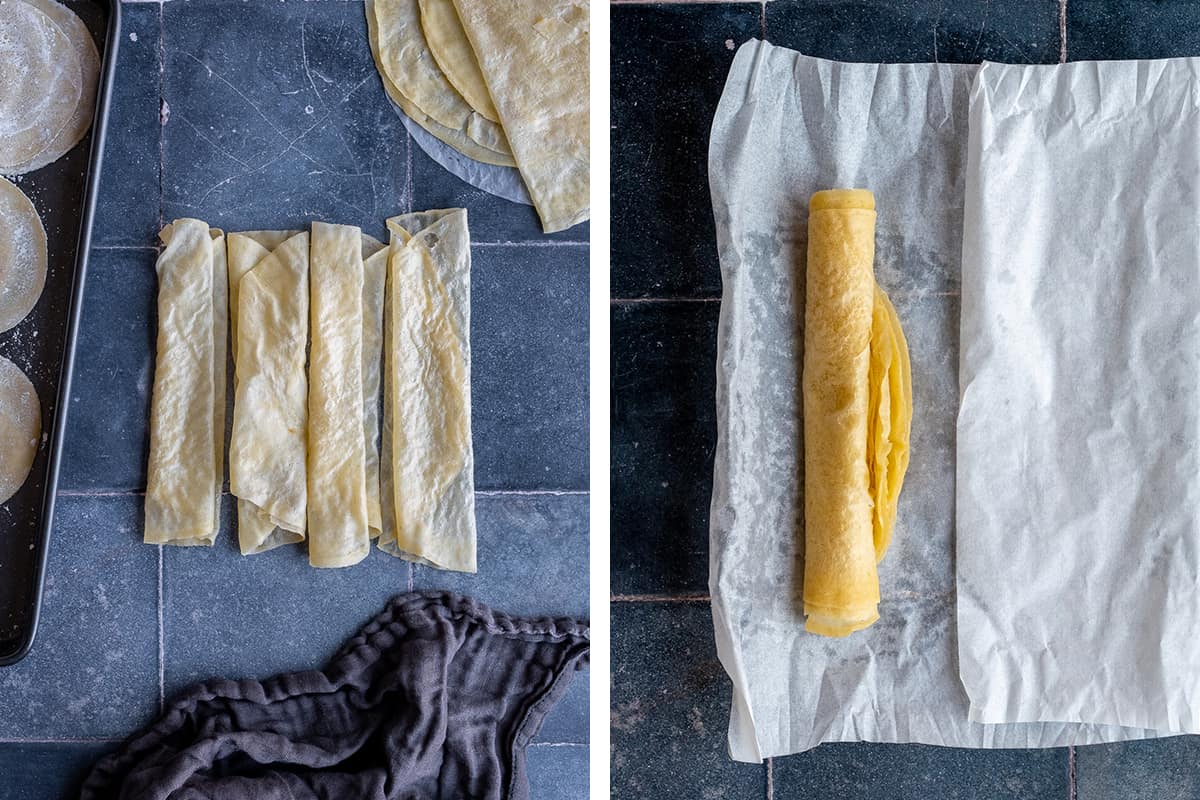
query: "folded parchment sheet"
187, 412
428, 461
1079, 435
788, 125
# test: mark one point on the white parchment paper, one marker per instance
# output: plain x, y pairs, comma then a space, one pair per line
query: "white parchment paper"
503, 182
788, 125
1079, 433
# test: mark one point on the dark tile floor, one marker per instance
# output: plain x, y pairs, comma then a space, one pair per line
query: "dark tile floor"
670, 697
267, 115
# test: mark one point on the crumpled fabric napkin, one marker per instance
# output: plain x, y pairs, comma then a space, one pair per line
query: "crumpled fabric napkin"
438, 696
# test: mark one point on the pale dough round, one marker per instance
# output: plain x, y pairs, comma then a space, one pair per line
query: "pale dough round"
452, 51
407, 66
20, 427
84, 48
22, 255
40, 82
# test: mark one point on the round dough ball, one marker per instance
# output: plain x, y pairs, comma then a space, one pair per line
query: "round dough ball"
20, 427
40, 83
84, 48
22, 255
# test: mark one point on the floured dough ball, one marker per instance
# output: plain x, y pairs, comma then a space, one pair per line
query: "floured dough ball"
22, 255
20, 427
41, 84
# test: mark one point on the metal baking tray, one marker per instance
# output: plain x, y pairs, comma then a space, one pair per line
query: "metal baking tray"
43, 344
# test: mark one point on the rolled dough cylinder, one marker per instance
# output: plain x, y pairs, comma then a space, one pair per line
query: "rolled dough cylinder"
187, 411
338, 522
841, 584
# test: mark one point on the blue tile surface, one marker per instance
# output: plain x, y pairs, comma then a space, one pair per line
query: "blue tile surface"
670, 708
93, 671
492, 218
1164, 769
668, 68
47, 770
916, 772
107, 434
567, 722
128, 213
225, 615
1119, 29
557, 772
663, 384
965, 32
291, 127
529, 367
533, 556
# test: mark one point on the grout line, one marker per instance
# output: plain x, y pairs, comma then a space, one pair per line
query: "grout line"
762, 21
659, 598
531, 243
124, 247
530, 492
162, 700
673, 2
770, 778
162, 106
646, 300
408, 173
559, 744
411, 581
85, 493
1071, 772
1062, 31
82, 740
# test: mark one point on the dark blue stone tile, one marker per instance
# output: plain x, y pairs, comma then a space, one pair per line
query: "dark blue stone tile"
533, 556
968, 31
127, 211
285, 127
669, 64
670, 708
529, 372
1119, 29
567, 722
493, 219
233, 616
558, 772
93, 670
47, 770
663, 386
901, 772
1155, 769
107, 432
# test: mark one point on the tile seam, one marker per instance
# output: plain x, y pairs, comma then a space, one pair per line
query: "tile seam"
559, 744
660, 598
162, 69
150, 247
1071, 786
532, 243
770, 778
162, 700
82, 740
633, 301
1062, 31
